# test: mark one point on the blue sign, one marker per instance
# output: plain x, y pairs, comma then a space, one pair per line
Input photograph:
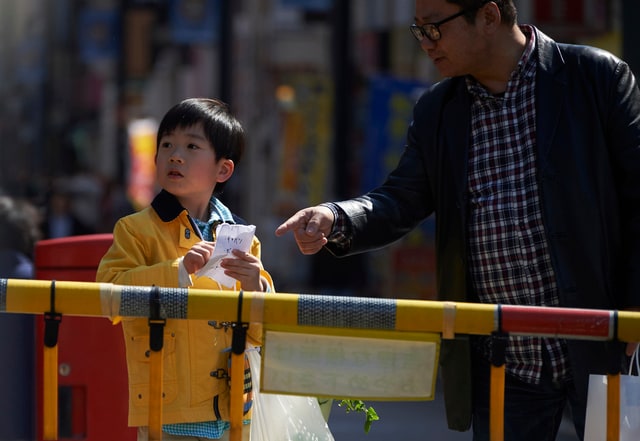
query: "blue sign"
195, 21
99, 35
391, 102
309, 5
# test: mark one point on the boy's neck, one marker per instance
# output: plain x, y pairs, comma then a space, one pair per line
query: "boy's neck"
197, 209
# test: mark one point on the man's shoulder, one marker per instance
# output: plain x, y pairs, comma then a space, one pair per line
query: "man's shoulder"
572, 54
586, 54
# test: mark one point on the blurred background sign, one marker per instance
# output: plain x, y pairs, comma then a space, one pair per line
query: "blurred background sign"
578, 17
194, 21
142, 148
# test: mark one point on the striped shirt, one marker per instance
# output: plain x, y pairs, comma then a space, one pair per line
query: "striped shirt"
509, 259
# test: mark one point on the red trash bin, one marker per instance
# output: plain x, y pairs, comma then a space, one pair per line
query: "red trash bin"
92, 371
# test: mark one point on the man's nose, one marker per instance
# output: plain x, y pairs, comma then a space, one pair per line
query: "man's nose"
427, 44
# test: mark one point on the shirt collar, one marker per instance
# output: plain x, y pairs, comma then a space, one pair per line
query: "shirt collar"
219, 212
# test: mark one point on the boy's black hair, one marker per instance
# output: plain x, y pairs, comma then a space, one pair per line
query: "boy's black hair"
221, 128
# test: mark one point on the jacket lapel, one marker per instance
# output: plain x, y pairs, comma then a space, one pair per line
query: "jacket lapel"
456, 141
550, 81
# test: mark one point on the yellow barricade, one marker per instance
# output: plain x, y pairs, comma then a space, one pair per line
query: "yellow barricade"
307, 313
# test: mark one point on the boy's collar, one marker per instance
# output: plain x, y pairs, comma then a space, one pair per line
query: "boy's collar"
168, 208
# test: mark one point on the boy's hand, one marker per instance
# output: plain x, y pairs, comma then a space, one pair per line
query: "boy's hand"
198, 255
245, 268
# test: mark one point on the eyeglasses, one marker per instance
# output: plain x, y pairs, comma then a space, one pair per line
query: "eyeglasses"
432, 30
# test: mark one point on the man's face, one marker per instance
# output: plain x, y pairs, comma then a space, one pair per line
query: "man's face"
459, 46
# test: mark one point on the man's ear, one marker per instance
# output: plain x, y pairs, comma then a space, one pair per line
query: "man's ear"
226, 170
490, 16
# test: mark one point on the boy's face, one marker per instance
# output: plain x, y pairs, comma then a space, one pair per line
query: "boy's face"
186, 165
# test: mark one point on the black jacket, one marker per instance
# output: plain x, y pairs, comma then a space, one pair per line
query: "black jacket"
588, 171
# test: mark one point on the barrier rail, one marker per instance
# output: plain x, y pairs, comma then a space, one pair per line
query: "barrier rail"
58, 298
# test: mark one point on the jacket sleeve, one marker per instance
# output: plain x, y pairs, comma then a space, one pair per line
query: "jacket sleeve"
125, 263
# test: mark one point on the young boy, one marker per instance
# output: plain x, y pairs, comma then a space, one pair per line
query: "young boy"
199, 144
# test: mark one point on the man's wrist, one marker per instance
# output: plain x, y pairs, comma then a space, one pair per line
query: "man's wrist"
336, 214
340, 235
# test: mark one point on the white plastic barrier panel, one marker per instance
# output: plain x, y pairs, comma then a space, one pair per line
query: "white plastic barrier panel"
364, 365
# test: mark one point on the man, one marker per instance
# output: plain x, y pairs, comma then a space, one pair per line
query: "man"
529, 155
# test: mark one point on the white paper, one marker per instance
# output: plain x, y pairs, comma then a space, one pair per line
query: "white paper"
228, 237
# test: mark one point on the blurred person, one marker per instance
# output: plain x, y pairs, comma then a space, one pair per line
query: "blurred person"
199, 145
115, 205
59, 219
86, 190
528, 153
19, 232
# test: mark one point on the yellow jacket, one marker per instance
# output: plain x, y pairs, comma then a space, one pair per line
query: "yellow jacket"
146, 249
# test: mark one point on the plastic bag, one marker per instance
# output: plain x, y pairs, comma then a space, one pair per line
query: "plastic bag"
596, 418
284, 417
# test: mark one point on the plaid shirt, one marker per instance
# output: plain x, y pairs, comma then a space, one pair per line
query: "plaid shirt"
509, 259
508, 253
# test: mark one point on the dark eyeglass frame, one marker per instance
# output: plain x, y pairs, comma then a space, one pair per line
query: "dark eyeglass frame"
432, 30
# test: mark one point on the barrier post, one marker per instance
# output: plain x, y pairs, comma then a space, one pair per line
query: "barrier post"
613, 385
50, 368
238, 343
50, 393
613, 407
496, 398
156, 343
